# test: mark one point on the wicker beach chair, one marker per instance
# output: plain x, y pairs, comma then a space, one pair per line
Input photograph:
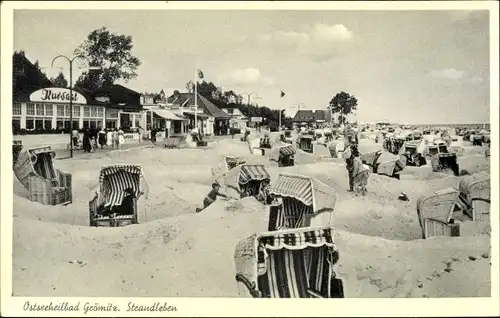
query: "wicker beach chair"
35, 170
335, 147
305, 143
475, 189
229, 162
300, 202
438, 211
283, 156
296, 263
247, 180
109, 208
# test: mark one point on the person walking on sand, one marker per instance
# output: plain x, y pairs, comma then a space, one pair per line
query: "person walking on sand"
102, 138
141, 132
109, 137
211, 197
114, 138
360, 172
75, 136
121, 138
349, 160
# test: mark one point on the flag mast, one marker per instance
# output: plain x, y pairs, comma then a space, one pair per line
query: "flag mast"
195, 98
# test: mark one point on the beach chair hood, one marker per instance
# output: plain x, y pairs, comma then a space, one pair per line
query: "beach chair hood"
475, 186
283, 151
242, 174
114, 179
307, 190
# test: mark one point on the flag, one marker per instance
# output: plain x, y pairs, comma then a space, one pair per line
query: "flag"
282, 94
200, 74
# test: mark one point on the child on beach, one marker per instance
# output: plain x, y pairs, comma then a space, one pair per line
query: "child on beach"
211, 197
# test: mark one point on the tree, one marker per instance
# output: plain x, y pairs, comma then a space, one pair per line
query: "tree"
111, 52
60, 81
343, 104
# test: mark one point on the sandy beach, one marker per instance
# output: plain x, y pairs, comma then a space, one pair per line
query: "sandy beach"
177, 252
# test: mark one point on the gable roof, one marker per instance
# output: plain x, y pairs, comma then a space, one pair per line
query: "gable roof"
309, 115
187, 100
26, 78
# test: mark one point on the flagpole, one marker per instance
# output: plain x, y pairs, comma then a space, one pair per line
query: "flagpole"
195, 98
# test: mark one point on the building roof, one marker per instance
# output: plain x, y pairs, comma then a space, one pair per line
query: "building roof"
26, 78
310, 115
187, 100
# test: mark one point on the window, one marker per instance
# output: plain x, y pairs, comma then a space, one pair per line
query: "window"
60, 110
110, 123
86, 124
138, 120
76, 111
40, 109
86, 111
39, 123
112, 113
30, 123
100, 112
49, 110
30, 109
66, 111
47, 124
16, 109
93, 112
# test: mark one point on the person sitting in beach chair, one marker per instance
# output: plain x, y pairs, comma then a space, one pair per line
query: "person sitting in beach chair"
211, 197
125, 208
195, 133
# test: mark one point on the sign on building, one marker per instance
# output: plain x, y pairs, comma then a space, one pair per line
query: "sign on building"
256, 119
57, 95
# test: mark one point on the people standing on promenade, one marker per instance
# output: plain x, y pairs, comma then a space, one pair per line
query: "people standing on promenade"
121, 138
75, 136
102, 138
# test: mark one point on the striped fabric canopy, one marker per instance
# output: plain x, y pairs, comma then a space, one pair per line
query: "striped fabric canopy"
287, 150
117, 178
298, 239
253, 172
305, 189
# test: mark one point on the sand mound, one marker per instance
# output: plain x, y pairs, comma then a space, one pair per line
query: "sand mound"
177, 252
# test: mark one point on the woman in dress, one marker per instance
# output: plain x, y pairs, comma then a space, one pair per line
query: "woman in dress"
109, 137
121, 138
102, 137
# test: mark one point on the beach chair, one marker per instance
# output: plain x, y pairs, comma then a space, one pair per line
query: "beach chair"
297, 263
442, 160
305, 143
300, 202
229, 162
411, 153
172, 143
17, 146
247, 180
283, 156
439, 212
115, 204
475, 189
35, 170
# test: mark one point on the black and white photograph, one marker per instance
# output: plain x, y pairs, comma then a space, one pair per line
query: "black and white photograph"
246, 152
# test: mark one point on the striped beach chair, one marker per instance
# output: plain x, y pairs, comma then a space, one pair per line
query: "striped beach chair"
247, 180
116, 182
34, 168
301, 201
283, 156
296, 263
305, 143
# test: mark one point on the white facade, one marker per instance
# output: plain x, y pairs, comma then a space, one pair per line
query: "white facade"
237, 120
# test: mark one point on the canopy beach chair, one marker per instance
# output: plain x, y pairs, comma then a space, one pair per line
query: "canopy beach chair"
35, 170
301, 202
384, 164
229, 162
393, 144
247, 180
297, 263
17, 146
412, 153
305, 143
116, 203
442, 159
438, 211
475, 189
284, 156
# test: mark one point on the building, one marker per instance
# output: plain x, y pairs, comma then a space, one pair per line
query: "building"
312, 116
237, 118
38, 106
211, 119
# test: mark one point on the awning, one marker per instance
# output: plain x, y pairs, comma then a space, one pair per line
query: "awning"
253, 172
199, 115
287, 150
305, 189
167, 114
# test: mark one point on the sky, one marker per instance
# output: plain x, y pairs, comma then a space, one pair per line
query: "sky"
409, 67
